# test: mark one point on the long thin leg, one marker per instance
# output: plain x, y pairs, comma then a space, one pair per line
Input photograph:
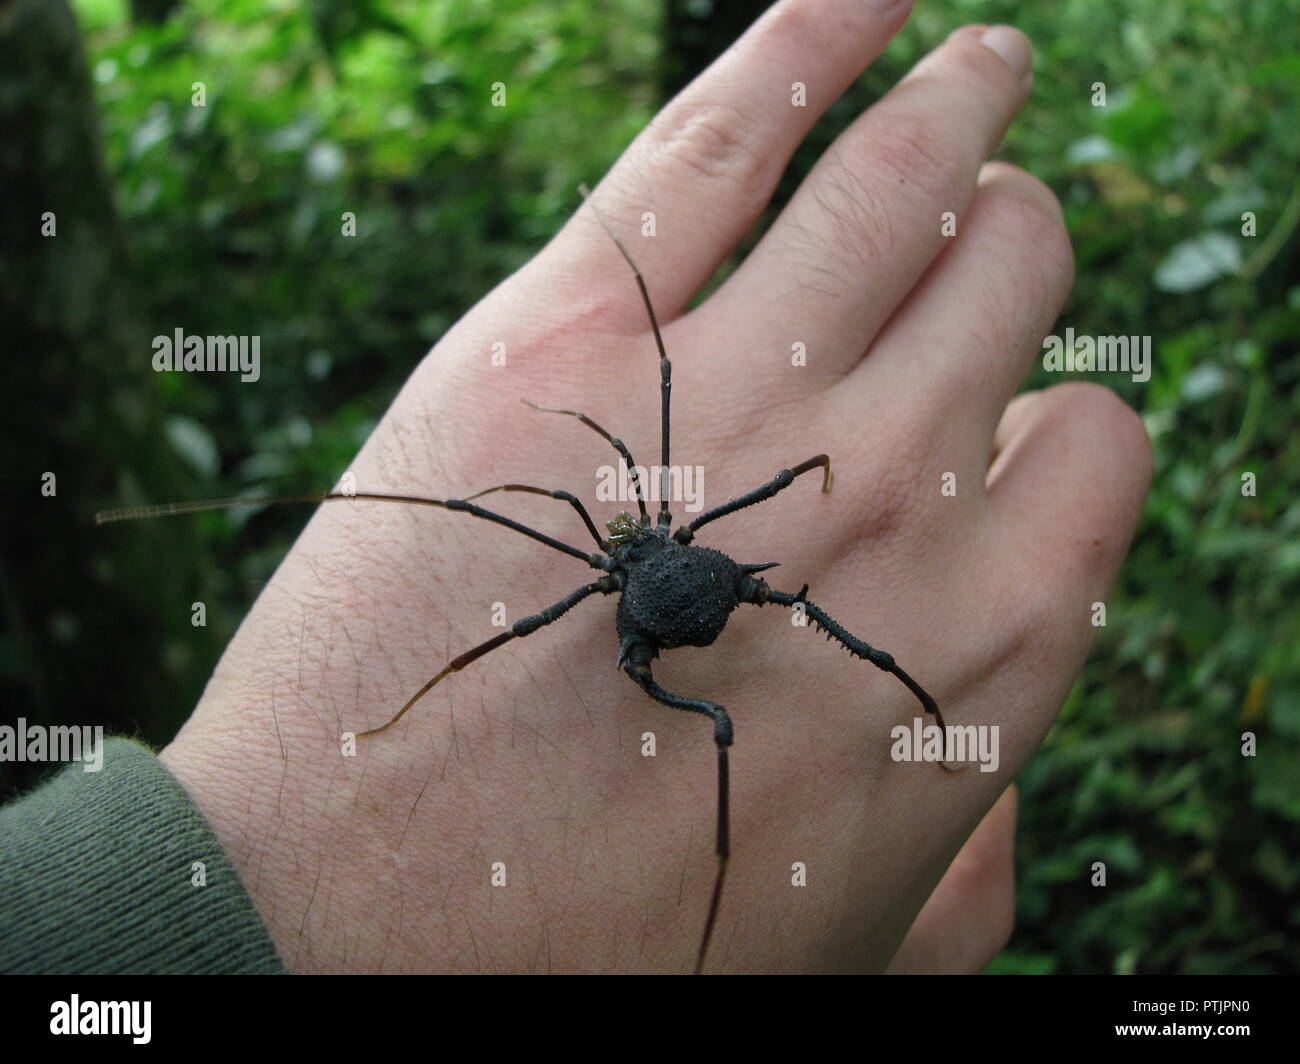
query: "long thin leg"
522, 627
777, 484
665, 519
170, 509
638, 667
857, 647
618, 445
563, 496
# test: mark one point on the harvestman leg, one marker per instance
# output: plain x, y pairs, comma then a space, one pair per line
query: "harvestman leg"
777, 484
171, 509
617, 444
858, 648
563, 496
665, 519
607, 584
524, 626
638, 667
823, 620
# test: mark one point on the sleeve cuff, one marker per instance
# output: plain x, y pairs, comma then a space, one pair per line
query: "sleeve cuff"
98, 874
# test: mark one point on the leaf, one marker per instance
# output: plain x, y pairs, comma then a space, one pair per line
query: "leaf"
194, 444
1204, 382
325, 161
1195, 263
1093, 149
1143, 123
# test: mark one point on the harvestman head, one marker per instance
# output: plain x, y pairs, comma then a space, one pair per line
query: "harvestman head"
671, 593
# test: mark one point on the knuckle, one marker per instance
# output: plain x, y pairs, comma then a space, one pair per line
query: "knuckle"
791, 23
900, 492
715, 141
1023, 602
1032, 622
1039, 614
912, 149
1101, 414
891, 503
854, 221
1028, 211
883, 509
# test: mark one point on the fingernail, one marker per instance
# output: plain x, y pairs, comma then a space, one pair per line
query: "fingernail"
1010, 45
973, 29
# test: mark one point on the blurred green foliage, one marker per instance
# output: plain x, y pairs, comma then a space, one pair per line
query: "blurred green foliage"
232, 213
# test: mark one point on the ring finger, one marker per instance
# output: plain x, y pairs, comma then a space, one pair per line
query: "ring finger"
869, 219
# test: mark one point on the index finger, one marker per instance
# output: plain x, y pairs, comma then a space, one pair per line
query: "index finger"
709, 161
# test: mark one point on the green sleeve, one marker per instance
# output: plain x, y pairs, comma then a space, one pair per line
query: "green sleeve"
97, 877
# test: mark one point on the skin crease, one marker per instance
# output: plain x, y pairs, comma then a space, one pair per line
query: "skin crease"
532, 756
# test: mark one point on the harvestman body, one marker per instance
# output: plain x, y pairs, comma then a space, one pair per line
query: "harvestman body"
671, 593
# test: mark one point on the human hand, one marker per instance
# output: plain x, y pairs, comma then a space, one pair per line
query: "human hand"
532, 755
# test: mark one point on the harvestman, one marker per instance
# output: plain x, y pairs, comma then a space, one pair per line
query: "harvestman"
672, 594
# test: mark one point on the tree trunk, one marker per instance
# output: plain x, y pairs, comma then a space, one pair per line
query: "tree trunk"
80, 644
